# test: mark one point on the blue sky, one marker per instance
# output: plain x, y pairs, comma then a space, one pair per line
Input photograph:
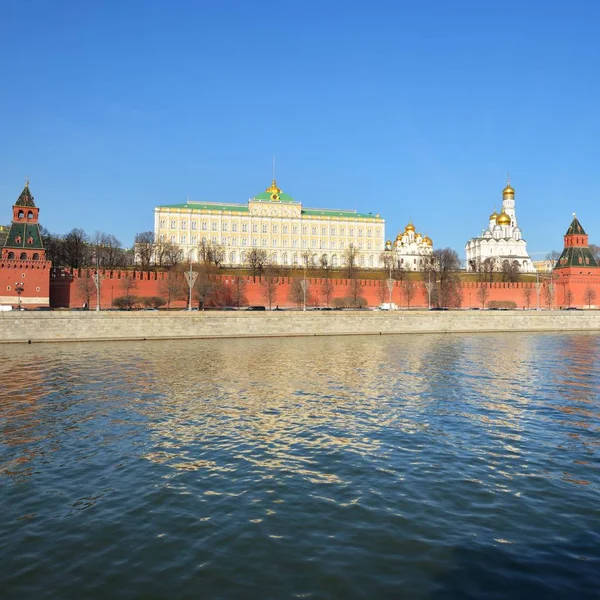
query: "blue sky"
416, 110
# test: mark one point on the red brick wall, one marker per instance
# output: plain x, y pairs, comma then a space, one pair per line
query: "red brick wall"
35, 277
66, 292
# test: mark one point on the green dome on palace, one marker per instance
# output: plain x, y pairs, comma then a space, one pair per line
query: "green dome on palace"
273, 194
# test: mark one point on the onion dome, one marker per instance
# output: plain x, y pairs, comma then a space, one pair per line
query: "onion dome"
503, 219
497, 228
493, 216
427, 241
508, 191
409, 227
487, 234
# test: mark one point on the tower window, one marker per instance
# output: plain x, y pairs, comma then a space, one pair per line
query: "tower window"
30, 215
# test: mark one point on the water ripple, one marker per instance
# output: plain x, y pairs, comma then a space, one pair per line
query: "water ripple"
413, 466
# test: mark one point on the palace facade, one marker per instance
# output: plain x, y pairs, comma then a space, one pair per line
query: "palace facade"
276, 223
501, 242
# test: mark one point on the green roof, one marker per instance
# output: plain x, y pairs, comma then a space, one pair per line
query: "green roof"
576, 256
331, 212
575, 228
20, 235
207, 206
25, 199
267, 196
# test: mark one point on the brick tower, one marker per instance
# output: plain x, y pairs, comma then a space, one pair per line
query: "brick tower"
577, 272
24, 270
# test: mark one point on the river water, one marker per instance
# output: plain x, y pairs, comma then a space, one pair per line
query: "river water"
421, 466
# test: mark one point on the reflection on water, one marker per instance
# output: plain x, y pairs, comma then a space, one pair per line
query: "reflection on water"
411, 466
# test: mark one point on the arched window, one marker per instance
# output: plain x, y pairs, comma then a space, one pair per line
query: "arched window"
284, 258
30, 215
23, 255
233, 258
334, 260
274, 259
371, 261
11, 256
243, 258
21, 214
295, 259
36, 256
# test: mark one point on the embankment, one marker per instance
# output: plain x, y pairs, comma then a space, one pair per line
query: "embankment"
32, 327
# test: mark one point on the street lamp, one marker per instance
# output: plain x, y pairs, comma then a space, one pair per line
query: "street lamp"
19, 289
390, 286
191, 279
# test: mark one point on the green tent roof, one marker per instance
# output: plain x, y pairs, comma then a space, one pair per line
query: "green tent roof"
575, 228
25, 199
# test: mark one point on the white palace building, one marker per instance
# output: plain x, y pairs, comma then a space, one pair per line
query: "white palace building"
276, 223
501, 241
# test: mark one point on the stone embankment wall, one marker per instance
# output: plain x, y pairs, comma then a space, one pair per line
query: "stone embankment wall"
98, 326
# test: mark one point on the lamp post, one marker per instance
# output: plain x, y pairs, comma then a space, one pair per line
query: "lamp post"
19, 289
390, 286
96, 278
191, 279
428, 286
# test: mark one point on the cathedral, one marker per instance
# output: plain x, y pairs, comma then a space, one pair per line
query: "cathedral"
501, 242
411, 250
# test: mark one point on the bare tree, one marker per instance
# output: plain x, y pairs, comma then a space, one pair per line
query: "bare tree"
356, 294
204, 288
527, 293
510, 270
382, 291
589, 295
256, 259
145, 248
327, 289
270, 283
171, 288
408, 291
87, 289
209, 253
444, 277
568, 296
350, 259
239, 291
296, 293
483, 293
74, 246
168, 255
129, 284
548, 294
553, 256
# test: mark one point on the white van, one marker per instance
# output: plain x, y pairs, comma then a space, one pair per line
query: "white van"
387, 306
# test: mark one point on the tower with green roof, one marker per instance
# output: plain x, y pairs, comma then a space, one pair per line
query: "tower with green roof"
24, 241
576, 253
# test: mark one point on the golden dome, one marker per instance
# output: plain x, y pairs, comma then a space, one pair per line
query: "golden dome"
503, 219
508, 191
409, 227
493, 216
427, 240
273, 189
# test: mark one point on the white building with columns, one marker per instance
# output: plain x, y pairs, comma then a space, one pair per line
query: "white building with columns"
275, 222
501, 241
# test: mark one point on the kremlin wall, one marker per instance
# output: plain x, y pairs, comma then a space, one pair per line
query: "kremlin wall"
27, 279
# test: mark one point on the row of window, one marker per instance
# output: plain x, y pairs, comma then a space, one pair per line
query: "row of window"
21, 215
22, 256
323, 245
275, 228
